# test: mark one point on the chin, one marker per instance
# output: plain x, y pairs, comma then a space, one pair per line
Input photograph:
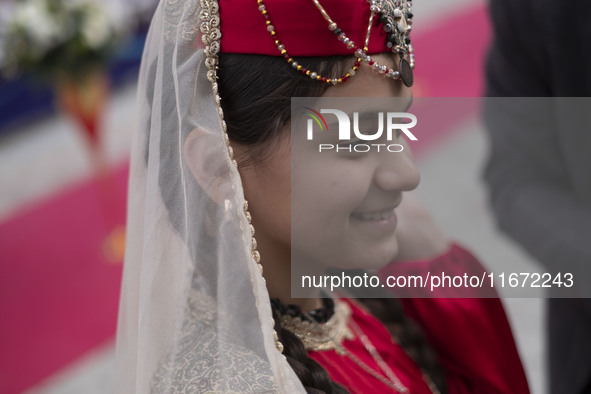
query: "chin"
372, 258
384, 253
382, 260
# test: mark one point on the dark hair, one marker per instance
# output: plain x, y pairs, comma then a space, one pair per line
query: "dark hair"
256, 94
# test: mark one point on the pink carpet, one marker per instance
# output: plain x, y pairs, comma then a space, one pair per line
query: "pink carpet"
58, 291
450, 55
450, 63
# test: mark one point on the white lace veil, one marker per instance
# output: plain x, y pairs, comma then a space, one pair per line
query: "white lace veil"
195, 314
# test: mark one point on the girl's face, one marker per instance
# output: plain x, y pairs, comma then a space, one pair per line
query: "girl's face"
343, 203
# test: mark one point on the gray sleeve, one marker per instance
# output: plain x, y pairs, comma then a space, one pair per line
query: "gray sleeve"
530, 193
527, 172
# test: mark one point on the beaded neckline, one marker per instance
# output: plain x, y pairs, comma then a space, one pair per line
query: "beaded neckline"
326, 328
316, 334
320, 315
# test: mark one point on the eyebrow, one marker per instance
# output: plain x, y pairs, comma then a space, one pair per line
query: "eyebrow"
369, 115
408, 105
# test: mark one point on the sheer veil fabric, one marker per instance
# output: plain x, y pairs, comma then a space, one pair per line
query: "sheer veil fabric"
195, 314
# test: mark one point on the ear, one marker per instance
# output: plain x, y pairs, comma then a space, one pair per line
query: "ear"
205, 155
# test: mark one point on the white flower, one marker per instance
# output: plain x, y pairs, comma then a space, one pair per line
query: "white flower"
96, 28
34, 18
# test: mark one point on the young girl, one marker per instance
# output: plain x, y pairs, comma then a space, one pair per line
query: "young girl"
206, 304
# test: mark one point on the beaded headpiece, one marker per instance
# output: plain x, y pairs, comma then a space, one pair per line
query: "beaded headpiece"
309, 28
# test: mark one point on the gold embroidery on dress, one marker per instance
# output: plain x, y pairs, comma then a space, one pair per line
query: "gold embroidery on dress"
322, 336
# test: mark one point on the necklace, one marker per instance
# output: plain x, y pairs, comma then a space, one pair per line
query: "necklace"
392, 380
379, 360
321, 336
339, 323
330, 336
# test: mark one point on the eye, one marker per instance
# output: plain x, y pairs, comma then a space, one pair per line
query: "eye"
350, 144
353, 149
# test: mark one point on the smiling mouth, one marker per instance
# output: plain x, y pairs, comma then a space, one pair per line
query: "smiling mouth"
374, 216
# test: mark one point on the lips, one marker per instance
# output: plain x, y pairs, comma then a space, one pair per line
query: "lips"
375, 215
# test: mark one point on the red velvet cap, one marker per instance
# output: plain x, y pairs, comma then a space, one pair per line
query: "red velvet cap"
299, 25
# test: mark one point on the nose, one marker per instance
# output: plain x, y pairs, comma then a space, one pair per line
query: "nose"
396, 171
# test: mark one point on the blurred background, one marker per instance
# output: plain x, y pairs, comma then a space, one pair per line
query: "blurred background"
67, 104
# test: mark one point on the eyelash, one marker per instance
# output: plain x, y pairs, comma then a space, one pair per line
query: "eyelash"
353, 143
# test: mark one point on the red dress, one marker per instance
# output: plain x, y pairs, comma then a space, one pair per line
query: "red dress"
471, 337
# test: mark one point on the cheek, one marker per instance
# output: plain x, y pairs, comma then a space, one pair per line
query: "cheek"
323, 197
268, 190
328, 190
274, 205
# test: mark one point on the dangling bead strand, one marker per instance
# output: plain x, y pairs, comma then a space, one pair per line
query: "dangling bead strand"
303, 70
396, 22
360, 54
